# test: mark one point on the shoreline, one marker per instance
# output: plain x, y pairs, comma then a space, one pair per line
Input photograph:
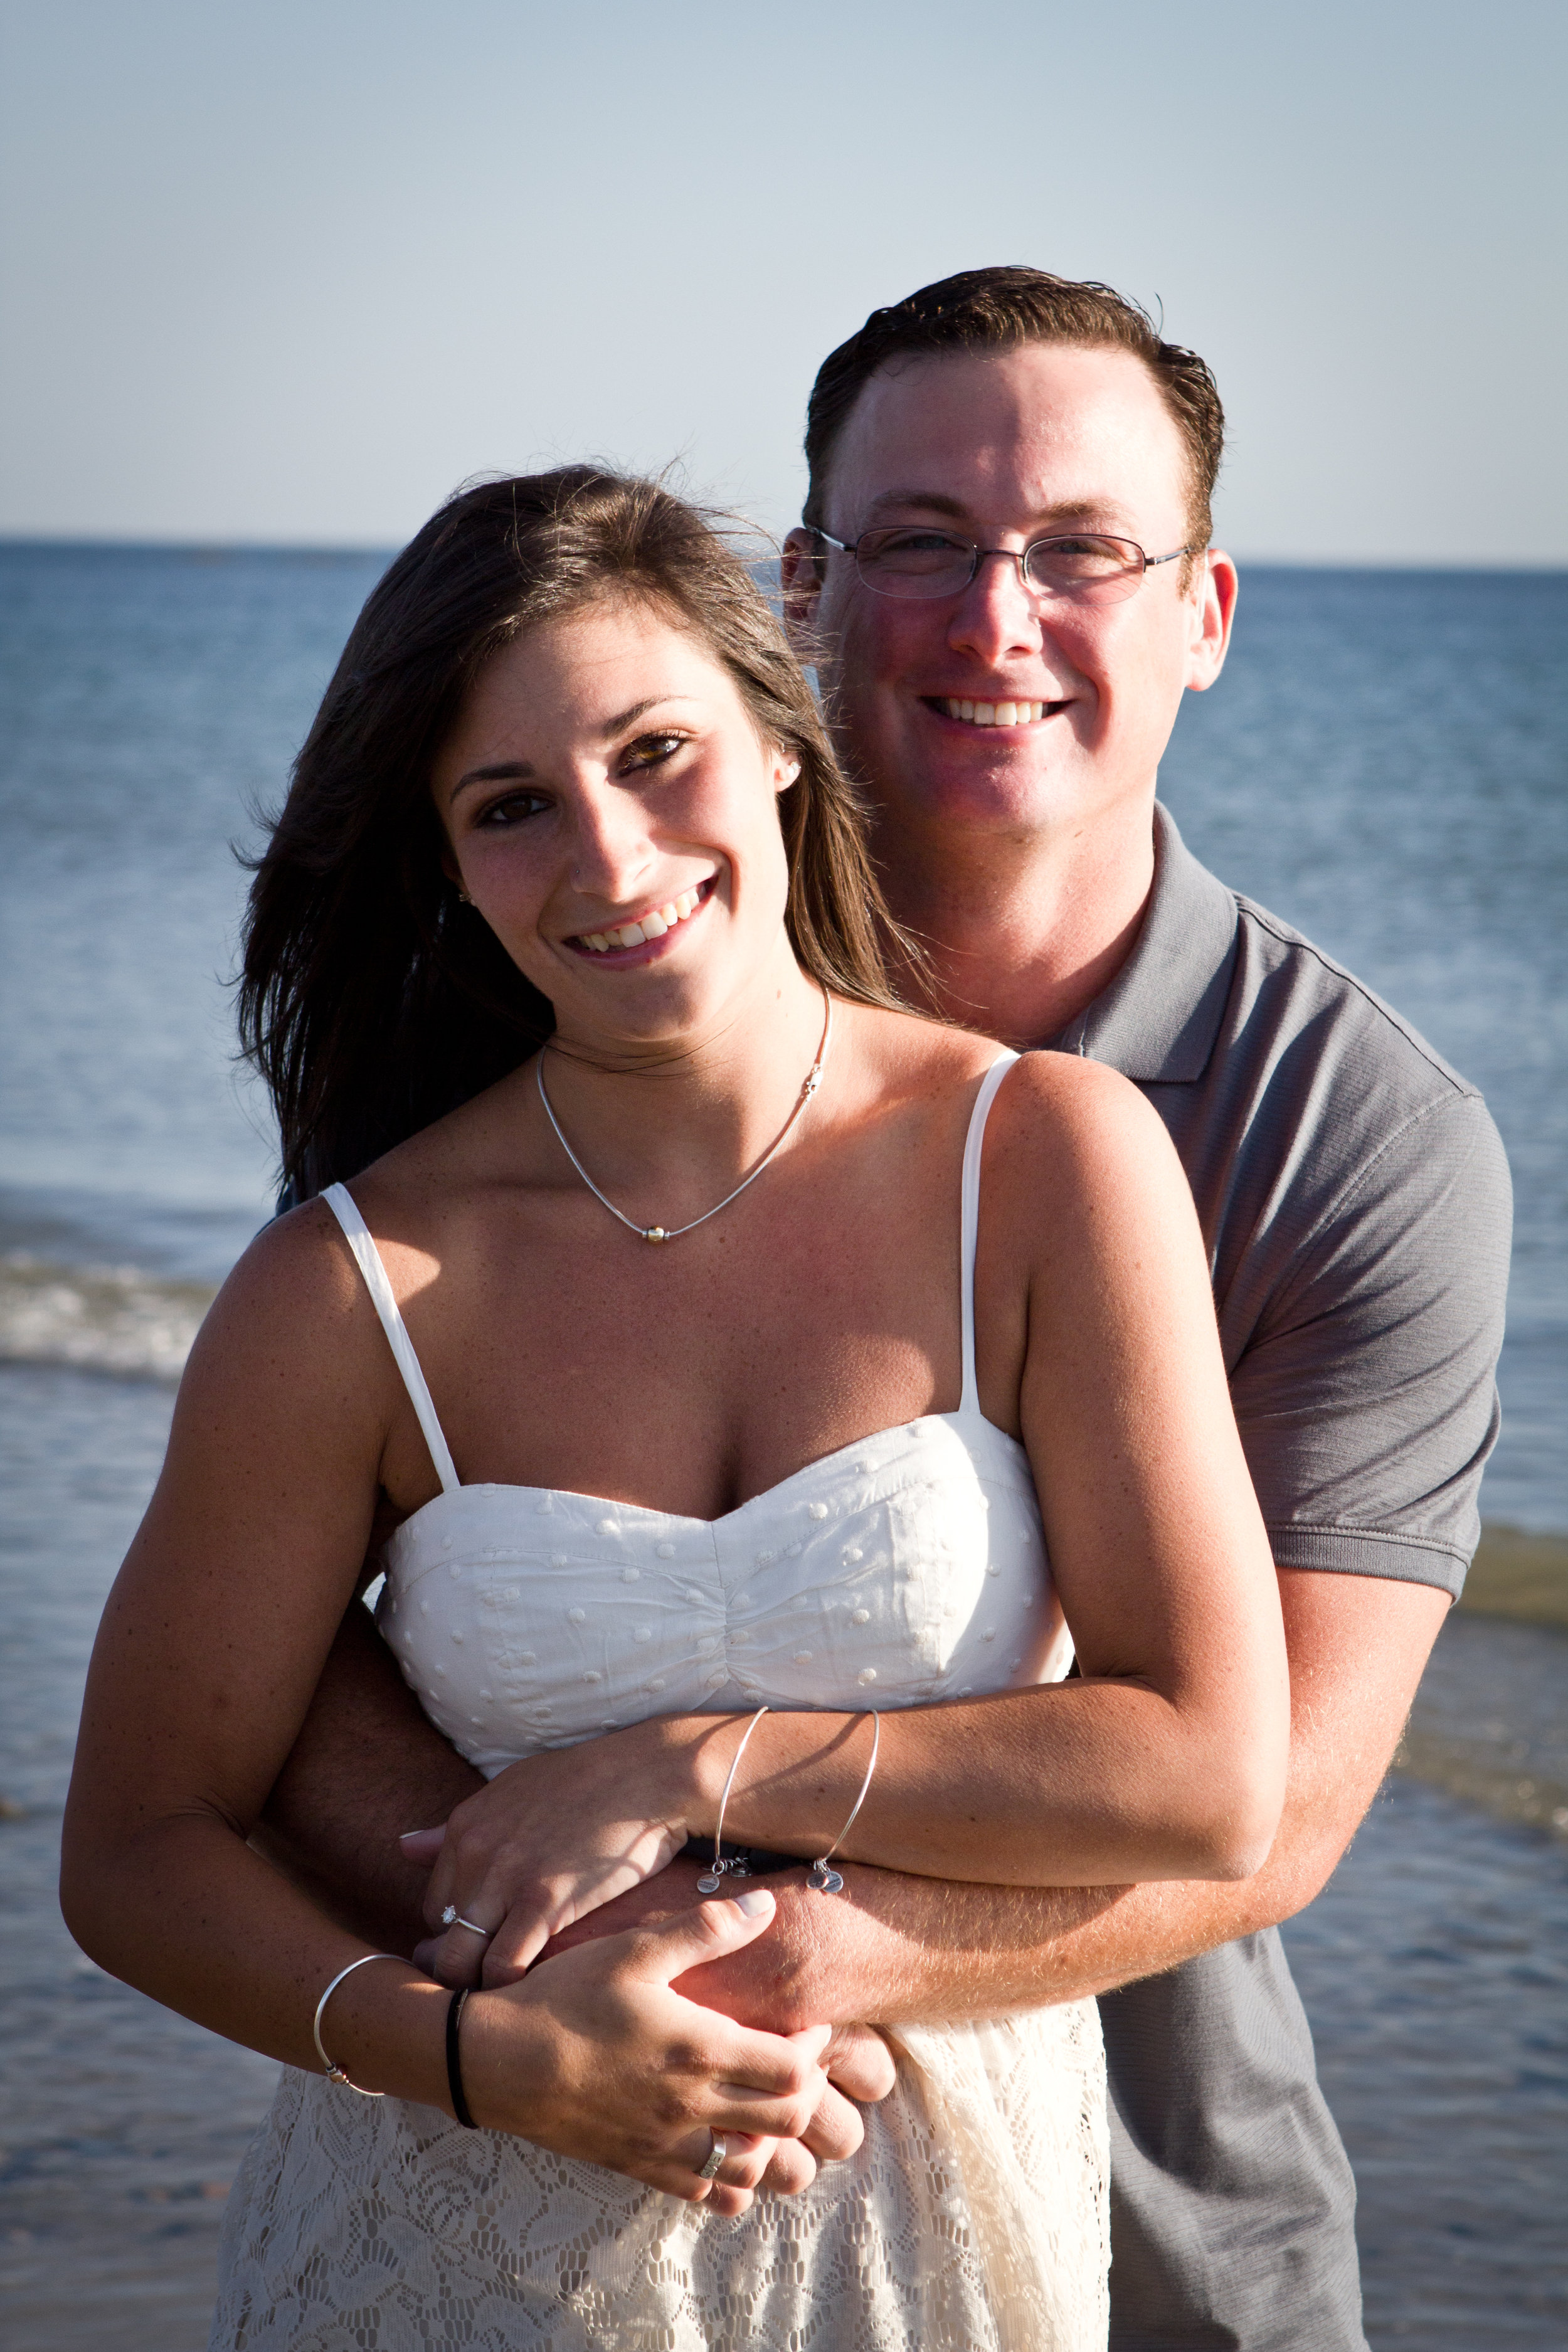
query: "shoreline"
1517, 1575
1487, 1726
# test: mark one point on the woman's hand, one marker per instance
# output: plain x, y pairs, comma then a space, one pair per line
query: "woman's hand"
551, 1839
744, 1984
596, 2056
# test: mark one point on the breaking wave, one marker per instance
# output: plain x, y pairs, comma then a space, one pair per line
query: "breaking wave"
103, 1319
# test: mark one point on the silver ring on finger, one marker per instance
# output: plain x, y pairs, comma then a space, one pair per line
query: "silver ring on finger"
452, 1918
716, 2155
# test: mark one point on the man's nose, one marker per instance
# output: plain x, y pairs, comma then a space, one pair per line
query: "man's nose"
997, 614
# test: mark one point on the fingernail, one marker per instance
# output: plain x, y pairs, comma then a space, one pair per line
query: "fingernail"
754, 1900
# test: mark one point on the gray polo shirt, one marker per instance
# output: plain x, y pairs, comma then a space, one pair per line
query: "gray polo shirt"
1354, 1199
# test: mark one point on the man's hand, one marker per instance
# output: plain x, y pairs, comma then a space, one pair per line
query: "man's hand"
751, 1987
597, 2055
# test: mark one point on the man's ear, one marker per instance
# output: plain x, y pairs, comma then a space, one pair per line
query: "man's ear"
800, 576
1214, 618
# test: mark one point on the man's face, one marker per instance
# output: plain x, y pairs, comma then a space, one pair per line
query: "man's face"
1006, 447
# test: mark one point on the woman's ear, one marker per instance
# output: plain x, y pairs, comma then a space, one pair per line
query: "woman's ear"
788, 775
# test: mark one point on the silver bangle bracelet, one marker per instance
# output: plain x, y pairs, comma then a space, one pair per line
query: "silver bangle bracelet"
711, 1880
334, 2072
831, 1881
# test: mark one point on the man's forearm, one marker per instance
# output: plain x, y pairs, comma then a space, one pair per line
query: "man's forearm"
908, 1950
368, 1764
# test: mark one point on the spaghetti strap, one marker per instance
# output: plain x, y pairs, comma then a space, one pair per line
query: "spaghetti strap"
969, 1220
356, 1232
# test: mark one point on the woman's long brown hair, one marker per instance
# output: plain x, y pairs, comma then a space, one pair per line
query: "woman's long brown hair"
371, 1000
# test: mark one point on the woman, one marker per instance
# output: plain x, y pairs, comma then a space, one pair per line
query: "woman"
652, 1324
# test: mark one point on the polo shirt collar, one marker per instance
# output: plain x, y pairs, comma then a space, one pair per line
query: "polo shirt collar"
1157, 1021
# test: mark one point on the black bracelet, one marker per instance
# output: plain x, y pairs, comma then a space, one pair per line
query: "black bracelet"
455, 2060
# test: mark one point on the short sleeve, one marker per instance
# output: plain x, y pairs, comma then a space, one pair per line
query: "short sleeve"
1366, 1391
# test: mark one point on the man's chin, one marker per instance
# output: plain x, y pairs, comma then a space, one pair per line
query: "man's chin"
1009, 797
937, 771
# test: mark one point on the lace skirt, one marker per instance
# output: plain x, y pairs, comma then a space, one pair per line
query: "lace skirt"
975, 2215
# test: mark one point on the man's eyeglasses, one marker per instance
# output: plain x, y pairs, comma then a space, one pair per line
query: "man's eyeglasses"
915, 561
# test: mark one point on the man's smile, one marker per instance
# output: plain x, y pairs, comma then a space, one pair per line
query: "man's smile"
990, 714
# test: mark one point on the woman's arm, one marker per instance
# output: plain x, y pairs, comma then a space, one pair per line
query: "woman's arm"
211, 1645
1166, 1760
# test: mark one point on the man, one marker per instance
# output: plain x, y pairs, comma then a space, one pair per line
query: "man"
1005, 575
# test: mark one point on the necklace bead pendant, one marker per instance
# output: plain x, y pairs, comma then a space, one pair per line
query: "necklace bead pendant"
661, 1233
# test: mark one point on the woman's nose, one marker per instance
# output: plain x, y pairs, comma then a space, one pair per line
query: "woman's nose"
611, 849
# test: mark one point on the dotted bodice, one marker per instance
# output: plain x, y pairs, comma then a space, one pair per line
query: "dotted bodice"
907, 1568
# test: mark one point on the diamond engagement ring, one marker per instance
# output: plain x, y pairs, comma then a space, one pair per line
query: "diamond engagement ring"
452, 1918
716, 2155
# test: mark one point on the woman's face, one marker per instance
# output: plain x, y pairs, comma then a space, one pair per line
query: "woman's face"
603, 778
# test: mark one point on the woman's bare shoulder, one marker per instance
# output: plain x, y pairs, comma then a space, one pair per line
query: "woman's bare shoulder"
1081, 1133
295, 1296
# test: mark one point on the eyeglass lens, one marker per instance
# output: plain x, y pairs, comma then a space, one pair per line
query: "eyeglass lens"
1090, 570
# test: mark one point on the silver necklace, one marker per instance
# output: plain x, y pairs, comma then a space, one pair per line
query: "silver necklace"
657, 1232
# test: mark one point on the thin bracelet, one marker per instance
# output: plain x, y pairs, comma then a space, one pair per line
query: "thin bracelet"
455, 2008
335, 2072
711, 1881
831, 1881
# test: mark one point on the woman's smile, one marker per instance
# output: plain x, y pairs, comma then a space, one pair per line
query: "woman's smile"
642, 940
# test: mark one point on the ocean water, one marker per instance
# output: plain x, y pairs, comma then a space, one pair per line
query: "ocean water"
1383, 764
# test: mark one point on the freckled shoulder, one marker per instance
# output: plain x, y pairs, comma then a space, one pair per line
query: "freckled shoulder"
296, 1300
1081, 1136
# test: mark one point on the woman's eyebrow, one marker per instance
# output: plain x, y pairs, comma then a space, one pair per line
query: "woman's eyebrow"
506, 771
512, 771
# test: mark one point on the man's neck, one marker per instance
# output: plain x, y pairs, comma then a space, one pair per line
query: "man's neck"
1020, 935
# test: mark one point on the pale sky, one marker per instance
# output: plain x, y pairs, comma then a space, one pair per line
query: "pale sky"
290, 272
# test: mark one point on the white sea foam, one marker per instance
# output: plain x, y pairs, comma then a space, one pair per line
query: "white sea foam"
104, 1319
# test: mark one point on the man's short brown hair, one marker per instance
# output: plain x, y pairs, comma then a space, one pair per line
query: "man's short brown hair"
1000, 309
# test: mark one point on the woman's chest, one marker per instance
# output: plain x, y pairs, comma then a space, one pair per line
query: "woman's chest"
904, 1572
694, 1382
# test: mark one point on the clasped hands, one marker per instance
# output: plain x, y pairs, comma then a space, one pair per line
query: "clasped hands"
568, 1874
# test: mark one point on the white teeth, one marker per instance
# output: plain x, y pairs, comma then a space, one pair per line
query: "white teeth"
652, 927
995, 714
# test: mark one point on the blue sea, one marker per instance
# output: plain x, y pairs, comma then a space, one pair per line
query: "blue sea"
1383, 763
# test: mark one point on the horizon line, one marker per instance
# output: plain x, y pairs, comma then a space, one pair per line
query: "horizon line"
346, 550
